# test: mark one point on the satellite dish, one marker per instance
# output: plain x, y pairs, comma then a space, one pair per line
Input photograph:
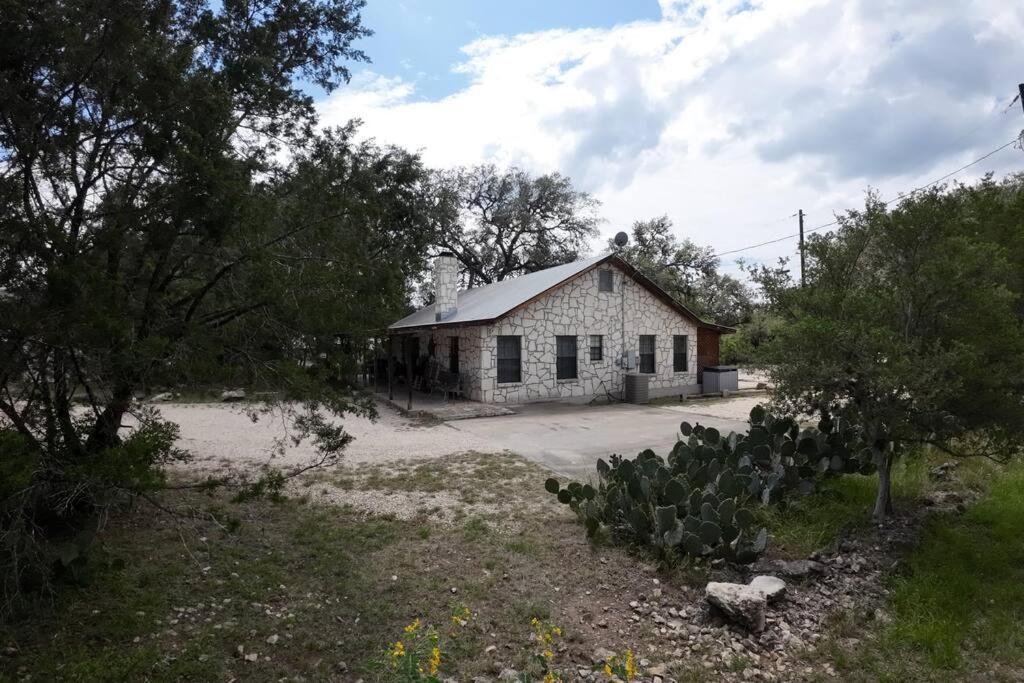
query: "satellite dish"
621, 239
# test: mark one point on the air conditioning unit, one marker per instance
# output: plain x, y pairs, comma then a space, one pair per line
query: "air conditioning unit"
636, 388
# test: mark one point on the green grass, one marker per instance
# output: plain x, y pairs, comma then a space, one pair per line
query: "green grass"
301, 572
964, 584
801, 525
958, 605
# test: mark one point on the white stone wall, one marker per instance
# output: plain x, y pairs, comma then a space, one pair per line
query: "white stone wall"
446, 286
578, 308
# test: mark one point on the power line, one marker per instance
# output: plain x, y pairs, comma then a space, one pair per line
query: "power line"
897, 197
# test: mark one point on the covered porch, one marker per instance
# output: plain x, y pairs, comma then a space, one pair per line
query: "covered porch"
414, 376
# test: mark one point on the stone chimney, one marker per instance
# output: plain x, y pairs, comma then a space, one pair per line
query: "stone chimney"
446, 277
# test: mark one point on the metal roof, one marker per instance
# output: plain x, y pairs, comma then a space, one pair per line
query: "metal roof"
490, 302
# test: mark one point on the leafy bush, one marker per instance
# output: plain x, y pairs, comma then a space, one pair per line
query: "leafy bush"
746, 346
699, 500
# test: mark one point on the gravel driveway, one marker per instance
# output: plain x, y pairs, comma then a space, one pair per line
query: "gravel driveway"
565, 438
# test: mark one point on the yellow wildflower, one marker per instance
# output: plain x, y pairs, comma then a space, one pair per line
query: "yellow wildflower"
435, 660
548, 654
608, 671
557, 631
534, 621
398, 650
411, 628
550, 677
630, 666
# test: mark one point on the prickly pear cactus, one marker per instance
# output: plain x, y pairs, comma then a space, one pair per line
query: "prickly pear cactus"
699, 499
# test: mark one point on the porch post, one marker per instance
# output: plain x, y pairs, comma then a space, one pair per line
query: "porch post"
390, 350
407, 345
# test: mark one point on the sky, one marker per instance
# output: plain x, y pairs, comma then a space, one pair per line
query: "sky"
725, 115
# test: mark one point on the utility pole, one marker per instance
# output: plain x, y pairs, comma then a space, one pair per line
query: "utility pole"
800, 213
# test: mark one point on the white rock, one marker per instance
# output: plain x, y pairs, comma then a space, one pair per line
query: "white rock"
773, 587
232, 395
272, 640
742, 604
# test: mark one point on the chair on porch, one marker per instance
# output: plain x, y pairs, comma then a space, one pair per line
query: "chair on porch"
441, 379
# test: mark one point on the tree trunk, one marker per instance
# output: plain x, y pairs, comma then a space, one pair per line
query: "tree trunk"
883, 499
104, 433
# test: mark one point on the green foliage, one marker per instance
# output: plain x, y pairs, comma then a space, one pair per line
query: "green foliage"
151, 232
686, 271
911, 323
699, 500
503, 223
745, 347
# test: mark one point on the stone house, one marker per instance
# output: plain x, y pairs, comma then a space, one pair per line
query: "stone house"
567, 332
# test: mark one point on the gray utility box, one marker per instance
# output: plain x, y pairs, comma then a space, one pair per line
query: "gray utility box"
637, 388
719, 378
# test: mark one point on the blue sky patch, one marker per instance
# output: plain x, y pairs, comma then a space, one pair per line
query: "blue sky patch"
420, 40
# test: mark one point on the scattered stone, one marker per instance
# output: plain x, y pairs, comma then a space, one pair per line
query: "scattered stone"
229, 395
944, 471
161, 397
272, 640
251, 656
943, 499
773, 587
742, 604
657, 670
508, 675
601, 655
490, 649
793, 569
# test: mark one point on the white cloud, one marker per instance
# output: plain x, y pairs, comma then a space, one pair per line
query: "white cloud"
726, 115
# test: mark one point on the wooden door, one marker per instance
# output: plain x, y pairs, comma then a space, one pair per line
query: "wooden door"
707, 350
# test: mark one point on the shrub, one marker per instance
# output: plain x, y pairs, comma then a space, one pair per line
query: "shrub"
699, 500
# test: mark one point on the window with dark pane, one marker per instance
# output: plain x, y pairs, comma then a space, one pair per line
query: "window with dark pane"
565, 357
596, 347
606, 281
509, 359
680, 345
647, 353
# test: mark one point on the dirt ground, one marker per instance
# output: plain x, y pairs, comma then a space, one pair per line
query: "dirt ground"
562, 437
